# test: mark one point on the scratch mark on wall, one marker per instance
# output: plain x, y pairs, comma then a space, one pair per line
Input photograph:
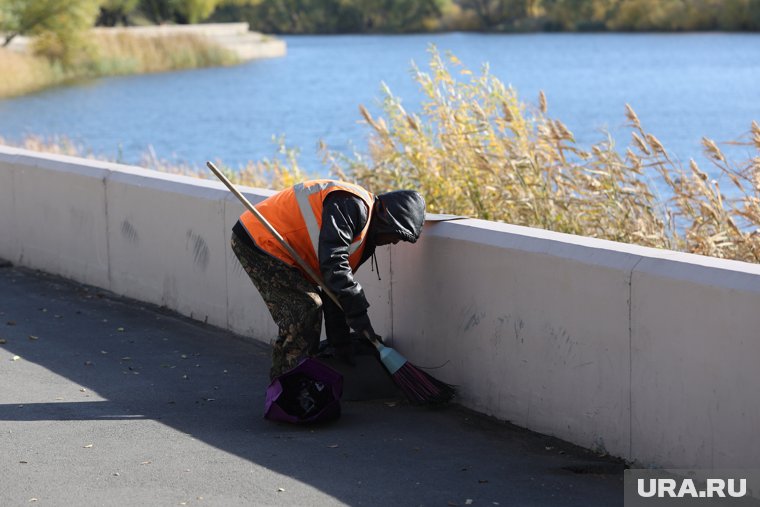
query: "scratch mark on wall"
474, 320
199, 249
129, 232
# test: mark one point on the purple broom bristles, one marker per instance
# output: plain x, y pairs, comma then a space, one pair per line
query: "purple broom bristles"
421, 388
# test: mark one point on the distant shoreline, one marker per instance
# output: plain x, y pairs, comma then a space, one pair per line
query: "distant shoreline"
136, 50
234, 37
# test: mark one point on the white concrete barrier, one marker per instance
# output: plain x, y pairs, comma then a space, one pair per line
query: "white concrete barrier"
166, 241
646, 354
695, 346
58, 215
9, 247
535, 330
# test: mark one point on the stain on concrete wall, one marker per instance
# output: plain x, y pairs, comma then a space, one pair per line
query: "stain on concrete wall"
129, 232
199, 248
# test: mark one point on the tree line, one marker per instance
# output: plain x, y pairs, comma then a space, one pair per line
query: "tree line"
395, 16
60, 19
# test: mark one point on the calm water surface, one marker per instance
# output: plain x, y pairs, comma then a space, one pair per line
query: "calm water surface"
683, 87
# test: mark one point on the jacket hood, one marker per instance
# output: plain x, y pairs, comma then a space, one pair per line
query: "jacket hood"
400, 212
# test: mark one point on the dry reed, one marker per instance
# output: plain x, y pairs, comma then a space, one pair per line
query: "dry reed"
22, 73
108, 55
123, 53
475, 149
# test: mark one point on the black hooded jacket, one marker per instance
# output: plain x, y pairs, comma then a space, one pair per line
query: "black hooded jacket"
400, 213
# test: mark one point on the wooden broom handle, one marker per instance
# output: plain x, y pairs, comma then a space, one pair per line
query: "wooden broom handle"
274, 232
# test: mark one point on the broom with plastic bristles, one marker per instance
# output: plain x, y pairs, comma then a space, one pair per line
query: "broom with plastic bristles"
418, 386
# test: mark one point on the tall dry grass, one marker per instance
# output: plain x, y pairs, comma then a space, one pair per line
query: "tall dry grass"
280, 171
122, 53
22, 73
109, 55
476, 149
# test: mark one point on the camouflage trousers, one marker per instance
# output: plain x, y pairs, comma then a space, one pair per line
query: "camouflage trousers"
294, 302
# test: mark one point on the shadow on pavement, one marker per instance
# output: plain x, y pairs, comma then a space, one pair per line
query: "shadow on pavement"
127, 363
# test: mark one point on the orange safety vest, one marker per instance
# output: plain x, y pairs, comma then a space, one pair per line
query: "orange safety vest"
296, 213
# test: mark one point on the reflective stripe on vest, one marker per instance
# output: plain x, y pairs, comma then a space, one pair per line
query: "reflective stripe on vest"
303, 193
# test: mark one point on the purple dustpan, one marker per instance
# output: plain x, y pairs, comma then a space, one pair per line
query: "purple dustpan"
308, 393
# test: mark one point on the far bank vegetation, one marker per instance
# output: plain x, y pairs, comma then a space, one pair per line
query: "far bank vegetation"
398, 16
62, 48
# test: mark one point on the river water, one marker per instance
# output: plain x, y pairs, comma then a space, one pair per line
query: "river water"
683, 87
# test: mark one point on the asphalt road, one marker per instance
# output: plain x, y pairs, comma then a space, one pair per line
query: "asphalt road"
107, 401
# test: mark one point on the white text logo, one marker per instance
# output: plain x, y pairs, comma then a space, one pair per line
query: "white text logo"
662, 488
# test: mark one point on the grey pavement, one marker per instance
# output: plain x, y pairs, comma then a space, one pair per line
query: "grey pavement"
108, 401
